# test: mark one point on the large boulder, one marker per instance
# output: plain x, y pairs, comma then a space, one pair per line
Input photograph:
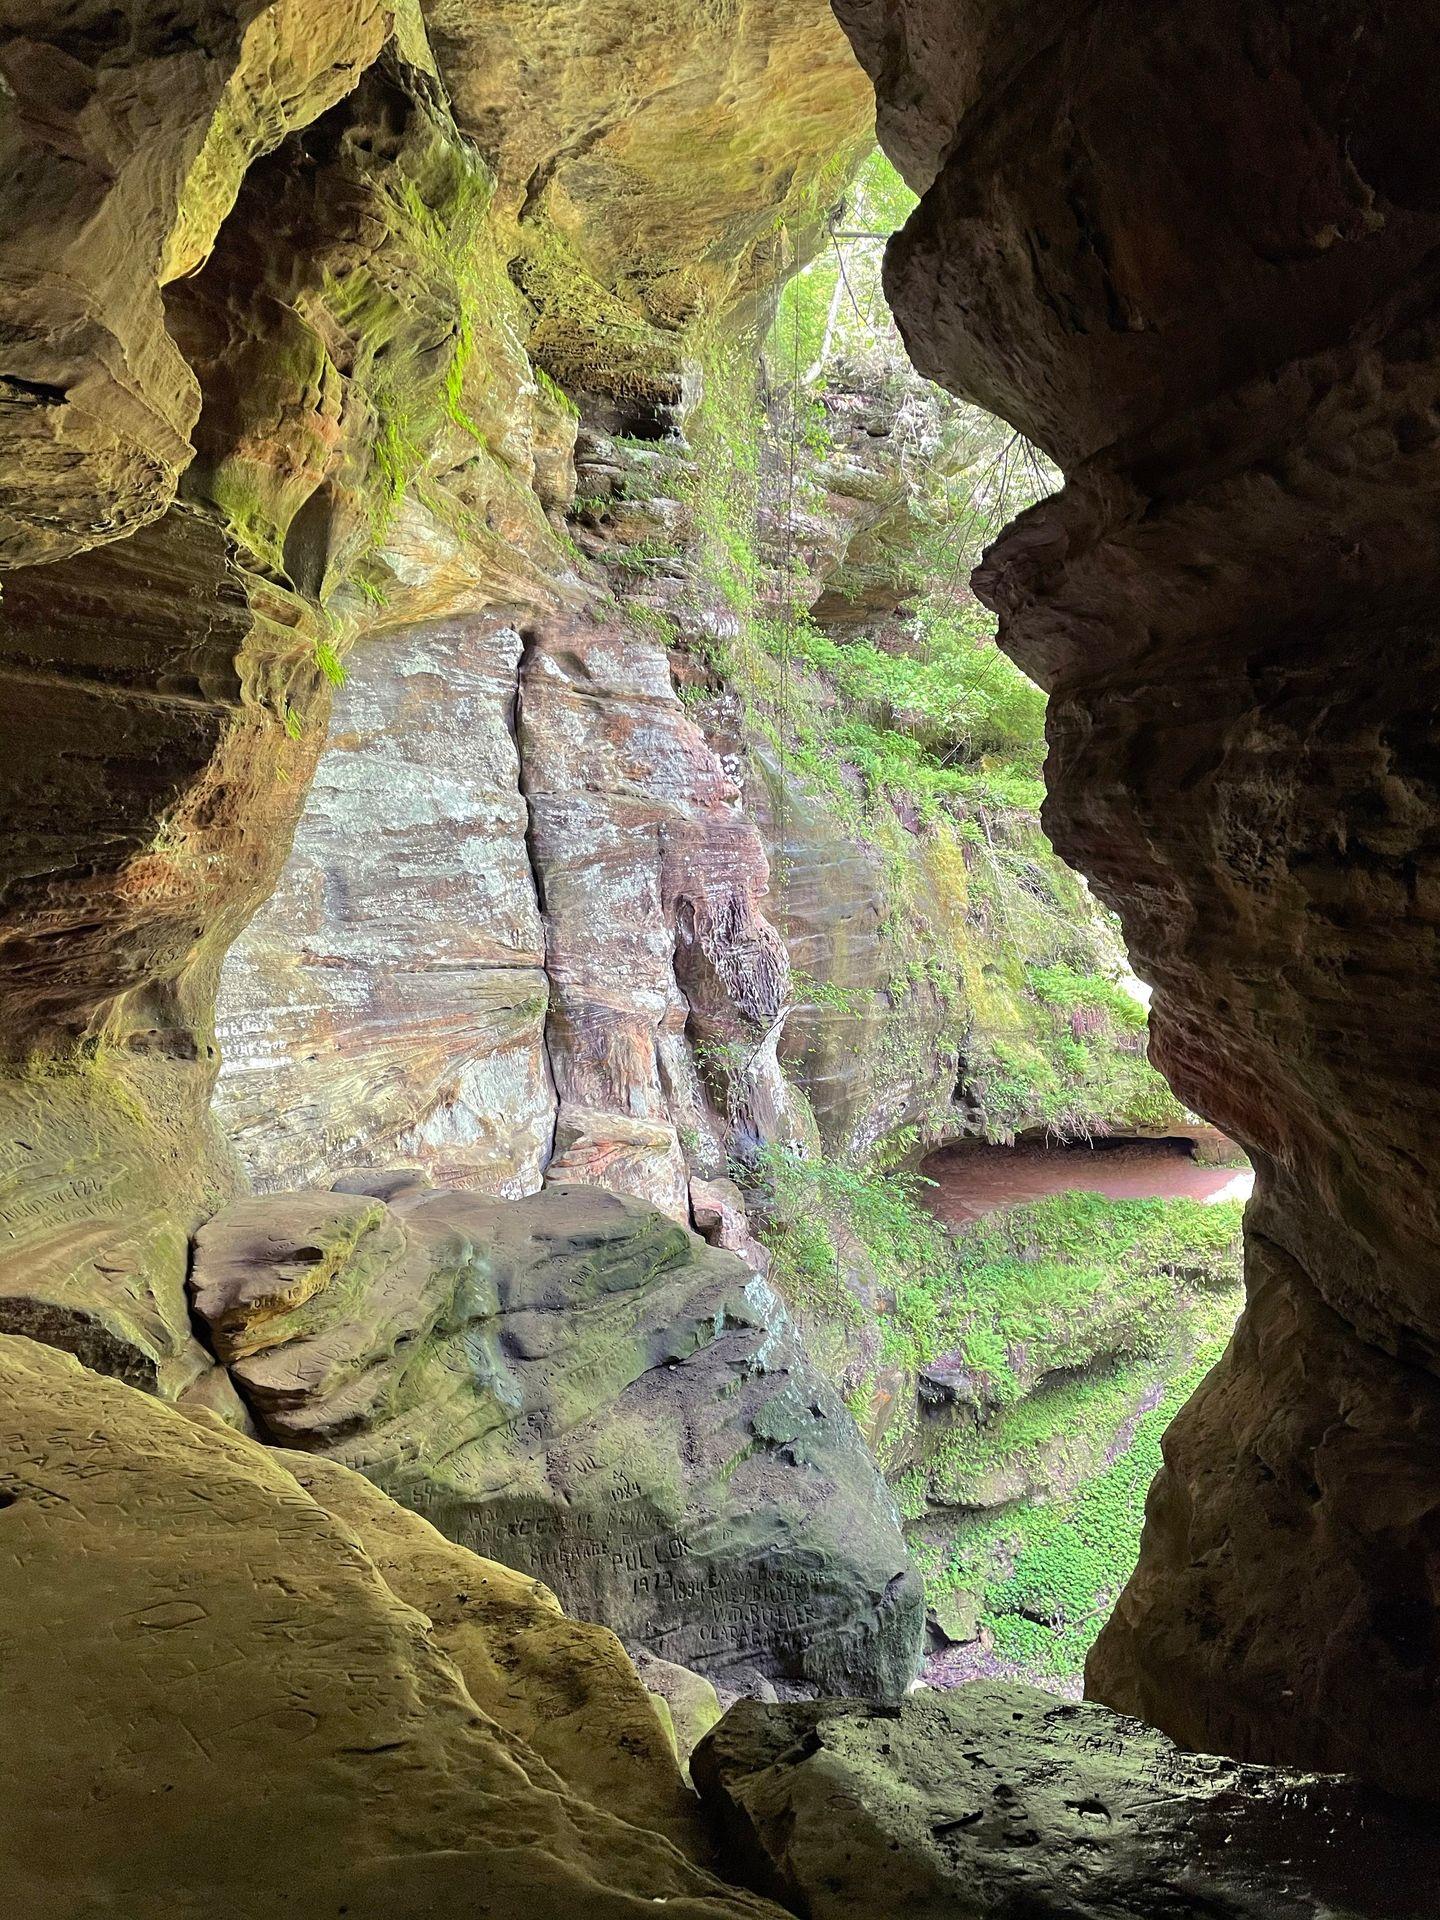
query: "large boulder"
578, 1387
567, 1689
216, 1703
997, 1801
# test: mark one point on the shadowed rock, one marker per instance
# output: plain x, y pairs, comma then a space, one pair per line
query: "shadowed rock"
207, 1660
998, 1801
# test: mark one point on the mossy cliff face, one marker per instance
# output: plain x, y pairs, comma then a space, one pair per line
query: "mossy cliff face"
266, 385
726, 866
660, 164
1222, 323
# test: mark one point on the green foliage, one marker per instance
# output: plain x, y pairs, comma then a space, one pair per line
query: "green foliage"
923, 741
1048, 1574
894, 708
437, 213
824, 1214
720, 481
834, 307
330, 663
819, 1204
1060, 986
825, 993
1048, 1285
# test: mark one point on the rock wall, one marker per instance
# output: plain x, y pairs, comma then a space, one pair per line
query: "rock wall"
388, 1002
589, 1393
523, 898
267, 384
1220, 317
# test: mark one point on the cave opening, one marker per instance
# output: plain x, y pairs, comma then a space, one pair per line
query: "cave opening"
594, 1211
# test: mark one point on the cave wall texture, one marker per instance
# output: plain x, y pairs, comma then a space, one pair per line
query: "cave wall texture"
281, 282
1191, 252
266, 382
339, 267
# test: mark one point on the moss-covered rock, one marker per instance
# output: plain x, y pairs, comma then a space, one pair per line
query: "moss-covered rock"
998, 1800
584, 1390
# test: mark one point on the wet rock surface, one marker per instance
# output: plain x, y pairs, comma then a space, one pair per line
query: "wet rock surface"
997, 1800
582, 1389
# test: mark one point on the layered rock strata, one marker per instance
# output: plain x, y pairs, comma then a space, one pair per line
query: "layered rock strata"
539, 897
230, 1674
266, 384
1191, 254
585, 1391
388, 1002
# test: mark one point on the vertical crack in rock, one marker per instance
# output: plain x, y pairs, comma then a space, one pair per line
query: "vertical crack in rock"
537, 877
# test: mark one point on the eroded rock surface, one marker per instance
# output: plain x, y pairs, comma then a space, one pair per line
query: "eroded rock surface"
267, 384
1192, 255
388, 1003
564, 1688
253, 1716
659, 162
586, 1391
997, 1800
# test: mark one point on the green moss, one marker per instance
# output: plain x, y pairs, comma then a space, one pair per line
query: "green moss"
556, 394
927, 751
1049, 1285
1047, 1575
330, 663
435, 198
817, 1204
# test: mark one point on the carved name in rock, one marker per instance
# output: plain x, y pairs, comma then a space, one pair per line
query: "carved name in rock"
575, 1386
